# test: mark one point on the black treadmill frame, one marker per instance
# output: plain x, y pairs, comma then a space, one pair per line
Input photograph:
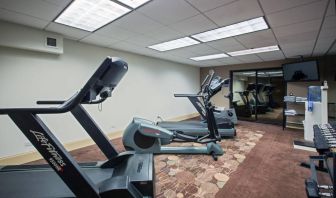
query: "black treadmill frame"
51, 148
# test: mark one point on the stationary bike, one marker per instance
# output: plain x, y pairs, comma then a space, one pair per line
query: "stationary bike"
144, 136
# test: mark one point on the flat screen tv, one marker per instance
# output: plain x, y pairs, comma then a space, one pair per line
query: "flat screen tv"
301, 71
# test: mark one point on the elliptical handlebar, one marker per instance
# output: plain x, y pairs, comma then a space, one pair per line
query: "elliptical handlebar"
203, 83
212, 74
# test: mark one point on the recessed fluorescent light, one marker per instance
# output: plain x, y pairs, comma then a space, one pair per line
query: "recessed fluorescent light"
90, 15
133, 3
208, 57
254, 50
174, 44
244, 27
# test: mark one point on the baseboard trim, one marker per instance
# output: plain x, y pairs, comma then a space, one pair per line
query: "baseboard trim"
34, 155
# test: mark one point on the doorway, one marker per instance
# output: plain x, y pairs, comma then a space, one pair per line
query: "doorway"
257, 95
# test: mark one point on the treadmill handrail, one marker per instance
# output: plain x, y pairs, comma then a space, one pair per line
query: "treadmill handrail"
58, 102
188, 95
74, 100
64, 107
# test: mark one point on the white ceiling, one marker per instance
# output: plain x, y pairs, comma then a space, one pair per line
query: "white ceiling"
299, 27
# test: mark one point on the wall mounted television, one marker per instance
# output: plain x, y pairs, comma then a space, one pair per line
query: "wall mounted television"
301, 71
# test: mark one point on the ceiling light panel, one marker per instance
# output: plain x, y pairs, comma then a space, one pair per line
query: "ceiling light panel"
174, 44
236, 29
90, 15
208, 57
254, 50
133, 3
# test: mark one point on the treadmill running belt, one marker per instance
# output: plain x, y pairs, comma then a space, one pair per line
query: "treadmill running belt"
43, 183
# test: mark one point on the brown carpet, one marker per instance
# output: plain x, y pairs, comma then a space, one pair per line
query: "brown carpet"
272, 168
261, 162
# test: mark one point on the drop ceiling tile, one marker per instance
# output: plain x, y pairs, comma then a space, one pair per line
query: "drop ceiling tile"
251, 58
209, 63
329, 22
188, 62
136, 49
99, 40
331, 9
113, 30
323, 45
229, 61
168, 12
296, 38
124, 45
235, 12
22, 19
333, 50
269, 56
67, 31
226, 45
298, 14
202, 49
44, 10
138, 23
203, 5
182, 52
143, 41
194, 25
298, 28
293, 50
328, 33
257, 39
271, 6
59, 2
165, 34
165, 57
326, 37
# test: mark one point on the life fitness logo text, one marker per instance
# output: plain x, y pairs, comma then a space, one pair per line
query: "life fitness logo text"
56, 160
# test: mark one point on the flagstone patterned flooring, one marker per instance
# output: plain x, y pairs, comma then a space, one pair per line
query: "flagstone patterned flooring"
195, 176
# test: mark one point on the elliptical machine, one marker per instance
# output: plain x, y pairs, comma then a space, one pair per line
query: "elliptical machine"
144, 136
199, 128
222, 115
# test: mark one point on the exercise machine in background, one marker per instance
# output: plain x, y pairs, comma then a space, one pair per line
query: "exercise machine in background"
124, 174
197, 127
268, 91
243, 109
255, 90
222, 114
143, 136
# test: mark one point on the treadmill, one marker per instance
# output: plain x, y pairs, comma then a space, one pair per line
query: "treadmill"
196, 127
124, 174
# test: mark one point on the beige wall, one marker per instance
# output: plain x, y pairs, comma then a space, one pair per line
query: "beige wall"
146, 90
